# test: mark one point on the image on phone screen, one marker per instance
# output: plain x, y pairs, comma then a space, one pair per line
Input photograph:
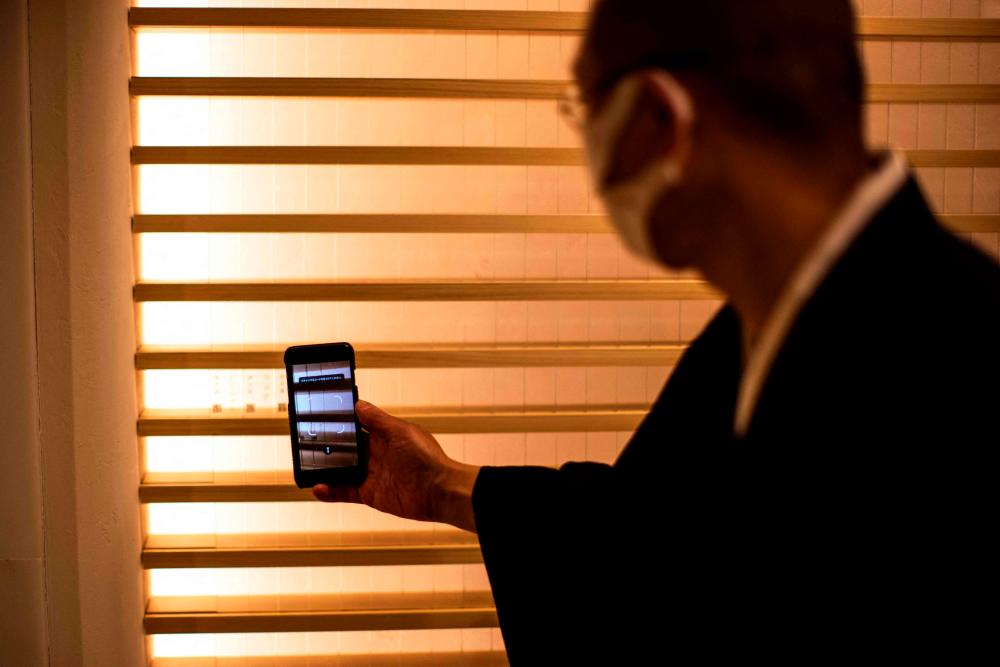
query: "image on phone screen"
323, 395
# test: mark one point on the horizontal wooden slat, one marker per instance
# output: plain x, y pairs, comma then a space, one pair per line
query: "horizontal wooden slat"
934, 93
320, 621
536, 21
422, 19
436, 659
459, 356
877, 27
445, 223
429, 223
323, 601
551, 421
447, 155
348, 87
972, 223
480, 88
222, 493
394, 155
378, 223
411, 554
415, 535
953, 158
473, 290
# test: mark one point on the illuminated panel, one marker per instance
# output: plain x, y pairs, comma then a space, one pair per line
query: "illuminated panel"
386, 189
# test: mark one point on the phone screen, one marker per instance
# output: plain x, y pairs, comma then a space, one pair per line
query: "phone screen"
323, 396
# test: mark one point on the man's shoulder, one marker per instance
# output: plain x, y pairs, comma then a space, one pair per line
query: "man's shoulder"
904, 324
906, 248
905, 272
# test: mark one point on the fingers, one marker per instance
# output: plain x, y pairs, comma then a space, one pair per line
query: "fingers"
336, 494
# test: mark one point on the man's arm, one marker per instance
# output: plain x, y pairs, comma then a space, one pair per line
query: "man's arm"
561, 546
453, 495
410, 475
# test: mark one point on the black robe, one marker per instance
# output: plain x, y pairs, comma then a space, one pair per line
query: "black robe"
854, 521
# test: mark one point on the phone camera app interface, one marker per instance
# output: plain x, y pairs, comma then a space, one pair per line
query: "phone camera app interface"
324, 414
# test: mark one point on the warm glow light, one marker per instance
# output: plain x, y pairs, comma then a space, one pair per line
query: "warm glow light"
299, 581
354, 53
231, 121
223, 324
474, 389
217, 454
267, 458
366, 189
198, 257
328, 643
286, 522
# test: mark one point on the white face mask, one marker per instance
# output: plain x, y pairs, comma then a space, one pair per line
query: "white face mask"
630, 202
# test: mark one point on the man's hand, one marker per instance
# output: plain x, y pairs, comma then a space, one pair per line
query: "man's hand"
409, 475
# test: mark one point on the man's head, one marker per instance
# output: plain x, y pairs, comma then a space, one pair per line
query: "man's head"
714, 93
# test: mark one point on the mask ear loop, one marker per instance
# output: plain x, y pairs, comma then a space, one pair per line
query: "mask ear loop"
635, 198
603, 131
683, 110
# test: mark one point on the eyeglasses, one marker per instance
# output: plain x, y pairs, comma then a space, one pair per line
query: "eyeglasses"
572, 107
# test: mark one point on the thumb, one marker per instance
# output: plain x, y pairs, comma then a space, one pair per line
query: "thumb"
371, 416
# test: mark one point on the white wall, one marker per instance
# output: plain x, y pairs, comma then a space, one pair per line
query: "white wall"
69, 477
22, 617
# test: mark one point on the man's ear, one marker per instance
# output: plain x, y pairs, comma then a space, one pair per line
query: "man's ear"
657, 126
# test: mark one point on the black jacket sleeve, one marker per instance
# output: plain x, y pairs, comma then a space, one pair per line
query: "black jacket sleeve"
577, 555
557, 545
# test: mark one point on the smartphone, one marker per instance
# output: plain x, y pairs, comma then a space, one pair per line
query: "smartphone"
329, 445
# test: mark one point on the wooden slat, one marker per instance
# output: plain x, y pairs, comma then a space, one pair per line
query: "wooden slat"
424, 554
222, 493
323, 601
972, 223
203, 476
421, 19
445, 223
394, 155
437, 659
320, 621
553, 421
953, 158
947, 29
378, 223
415, 535
465, 659
447, 155
348, 87
458, 356
868, 27
934, 93
481, 89
473, 290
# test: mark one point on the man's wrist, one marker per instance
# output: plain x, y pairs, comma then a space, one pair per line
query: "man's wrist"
453, 491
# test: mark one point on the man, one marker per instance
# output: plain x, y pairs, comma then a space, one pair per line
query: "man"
812, 481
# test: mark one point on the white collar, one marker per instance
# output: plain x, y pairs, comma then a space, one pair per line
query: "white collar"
866, 200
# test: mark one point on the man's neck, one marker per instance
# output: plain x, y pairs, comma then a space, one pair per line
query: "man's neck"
756, 256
